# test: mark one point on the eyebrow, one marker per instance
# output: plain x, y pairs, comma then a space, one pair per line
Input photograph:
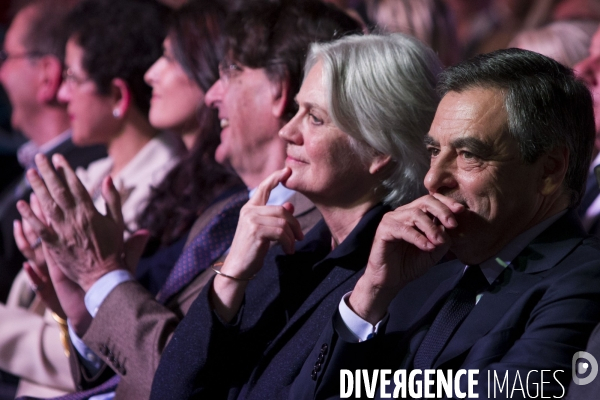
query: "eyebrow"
308, 105
477, 146
429, 141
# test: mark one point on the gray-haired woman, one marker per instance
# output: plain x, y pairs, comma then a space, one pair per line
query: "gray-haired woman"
355, 148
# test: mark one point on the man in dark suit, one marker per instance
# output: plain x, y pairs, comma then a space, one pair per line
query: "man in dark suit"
31, 73
510, 146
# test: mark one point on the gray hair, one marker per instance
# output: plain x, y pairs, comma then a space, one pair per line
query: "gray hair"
381, 91
547, 106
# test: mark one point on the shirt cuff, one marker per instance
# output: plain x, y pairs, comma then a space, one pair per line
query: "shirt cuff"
90, 361
361, 329
96, 295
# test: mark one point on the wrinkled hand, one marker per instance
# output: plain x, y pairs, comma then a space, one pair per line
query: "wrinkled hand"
258, 226
27, 239
408, 241
36, 267
82, 242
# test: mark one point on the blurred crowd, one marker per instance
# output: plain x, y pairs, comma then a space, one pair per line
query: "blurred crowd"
197, 198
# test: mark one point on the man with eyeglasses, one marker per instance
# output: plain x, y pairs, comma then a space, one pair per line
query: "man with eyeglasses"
30, 72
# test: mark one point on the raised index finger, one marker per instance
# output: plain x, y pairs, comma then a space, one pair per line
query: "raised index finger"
263, 191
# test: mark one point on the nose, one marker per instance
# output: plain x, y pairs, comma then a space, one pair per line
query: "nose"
64, 93
291, 132
441, 177
214, 95
150, 75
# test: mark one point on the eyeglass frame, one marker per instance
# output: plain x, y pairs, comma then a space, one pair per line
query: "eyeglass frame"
228, 70
70, 79
5, 55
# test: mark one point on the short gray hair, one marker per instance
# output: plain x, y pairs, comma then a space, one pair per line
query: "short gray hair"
381, 92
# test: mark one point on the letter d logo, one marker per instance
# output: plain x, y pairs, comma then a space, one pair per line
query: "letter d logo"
582, 367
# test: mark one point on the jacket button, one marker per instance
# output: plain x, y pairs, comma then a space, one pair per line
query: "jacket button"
324, 348
317, 367
313, 375
320, 359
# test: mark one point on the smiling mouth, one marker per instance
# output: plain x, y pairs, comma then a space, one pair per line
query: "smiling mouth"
224, 123
296, 160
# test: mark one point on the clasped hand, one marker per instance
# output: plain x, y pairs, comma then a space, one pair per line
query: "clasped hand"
408, 241
77, 239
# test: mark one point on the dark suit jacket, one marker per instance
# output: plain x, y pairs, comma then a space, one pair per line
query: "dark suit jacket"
286, 307
11, 259
131, 329
536, 315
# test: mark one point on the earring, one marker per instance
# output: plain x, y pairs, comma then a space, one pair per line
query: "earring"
116, 113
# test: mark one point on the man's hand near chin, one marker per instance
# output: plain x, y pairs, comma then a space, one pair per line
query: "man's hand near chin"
408, 241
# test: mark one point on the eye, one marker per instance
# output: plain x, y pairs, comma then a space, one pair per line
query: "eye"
314, 119
433, 151
467, 155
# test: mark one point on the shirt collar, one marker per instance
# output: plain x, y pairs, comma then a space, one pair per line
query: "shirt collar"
27, 151
279, 195
165, 146
494, 266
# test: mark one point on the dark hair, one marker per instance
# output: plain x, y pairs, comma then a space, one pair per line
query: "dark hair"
547, 106
195, 31
276, 36
46, 32
120, 39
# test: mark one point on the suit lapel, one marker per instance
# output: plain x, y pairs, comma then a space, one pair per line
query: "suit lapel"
433, 302
486, 314
528, 268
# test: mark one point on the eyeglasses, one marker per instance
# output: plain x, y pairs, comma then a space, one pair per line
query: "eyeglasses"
5, 55
71, 79
229, 70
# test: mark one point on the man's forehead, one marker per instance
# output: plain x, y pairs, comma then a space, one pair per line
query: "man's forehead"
476, 112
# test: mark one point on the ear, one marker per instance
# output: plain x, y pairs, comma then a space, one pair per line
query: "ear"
281, 96
555, 165
50, 78
379, 162
122, 97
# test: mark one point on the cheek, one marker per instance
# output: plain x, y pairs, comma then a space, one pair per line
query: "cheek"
94, 124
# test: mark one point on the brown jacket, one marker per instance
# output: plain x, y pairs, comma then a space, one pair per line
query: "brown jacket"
131, 328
